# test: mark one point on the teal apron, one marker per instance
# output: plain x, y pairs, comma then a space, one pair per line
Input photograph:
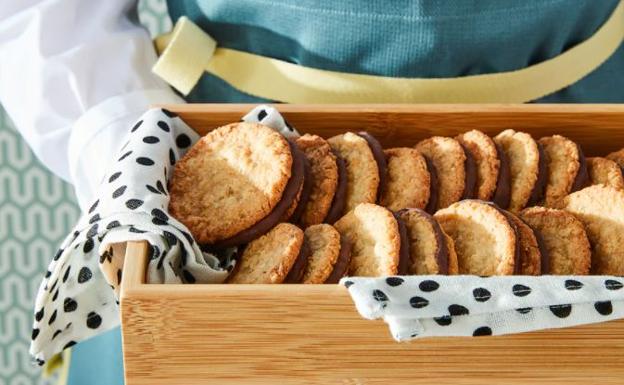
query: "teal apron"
402, 38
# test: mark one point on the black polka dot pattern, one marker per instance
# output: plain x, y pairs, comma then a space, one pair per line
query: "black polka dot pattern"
428, 286
604, 307
394, 281
457, 310
561, 311
572, 284
521, 290
612, 284
183, 141
145, 161
84, 275
114, 177
379, 295
93, 320
481, 295
151, 139
482, 331
418, 302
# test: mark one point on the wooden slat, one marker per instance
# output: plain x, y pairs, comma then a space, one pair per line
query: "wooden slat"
312, 334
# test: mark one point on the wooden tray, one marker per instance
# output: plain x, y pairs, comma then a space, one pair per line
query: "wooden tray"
312, 334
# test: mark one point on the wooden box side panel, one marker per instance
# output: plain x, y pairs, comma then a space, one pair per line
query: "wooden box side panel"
312, 334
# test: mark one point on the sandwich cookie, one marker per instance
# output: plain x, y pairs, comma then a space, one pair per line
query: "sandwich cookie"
278, 256
527, 167
493, 179
485, 238
617, 157
329, 255
235, 184
408, 180
374, 236
567, 169
601, 210
323, 179
366, 167
605, 171
294, 212
431, 251
532, 251
564, 239
455, 169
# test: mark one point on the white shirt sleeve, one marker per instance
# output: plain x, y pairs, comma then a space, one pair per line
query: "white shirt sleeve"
74, 76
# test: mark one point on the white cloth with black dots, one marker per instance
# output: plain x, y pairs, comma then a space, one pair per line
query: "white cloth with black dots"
78, 298
464, 305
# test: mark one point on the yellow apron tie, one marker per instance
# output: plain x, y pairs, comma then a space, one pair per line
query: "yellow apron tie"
188, 51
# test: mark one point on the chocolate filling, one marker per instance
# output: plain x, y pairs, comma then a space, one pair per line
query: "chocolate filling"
502, 194
380, 159
470, 179
545, 257
305, 191
404, 254
442, 248
295, 275
581, 179
340, 196
432, 204
542, 178
268, 222
517, 251
341, 267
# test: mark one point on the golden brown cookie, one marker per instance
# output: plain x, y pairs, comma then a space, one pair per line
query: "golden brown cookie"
431, 251
408, 179
455, 176
362, 169
270, 258
492, 174
246, 173
323, 178
530, 251
567, 169
564, 240
601, 210
527, 165
485, 240
374, 236
605, 171
617, 157
324, 243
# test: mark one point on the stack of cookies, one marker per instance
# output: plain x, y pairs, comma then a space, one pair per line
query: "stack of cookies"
312, 210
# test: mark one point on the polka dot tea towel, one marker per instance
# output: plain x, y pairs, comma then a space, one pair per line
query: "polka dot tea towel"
427, 306
78, 298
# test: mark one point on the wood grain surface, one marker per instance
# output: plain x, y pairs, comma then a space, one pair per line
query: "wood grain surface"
312, 334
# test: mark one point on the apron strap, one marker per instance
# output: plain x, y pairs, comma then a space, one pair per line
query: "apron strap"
188, 51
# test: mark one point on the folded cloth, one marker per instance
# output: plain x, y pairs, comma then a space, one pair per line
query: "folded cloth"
435, 305
78, 298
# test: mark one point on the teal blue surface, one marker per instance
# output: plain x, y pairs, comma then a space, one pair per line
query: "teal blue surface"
97, 361
407, 38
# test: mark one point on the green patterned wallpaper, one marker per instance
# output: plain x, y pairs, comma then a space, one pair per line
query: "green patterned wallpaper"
37, 209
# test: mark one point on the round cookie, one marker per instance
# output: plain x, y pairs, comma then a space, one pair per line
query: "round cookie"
564, 239
245, 172
485, 240
362, 169
605, 171
270, 258
456, 179
493, 182
567, 169
324, 243
431, 251
527, 167
373, 233
408, 180
323, 178
531, 253
617, 157
601, 210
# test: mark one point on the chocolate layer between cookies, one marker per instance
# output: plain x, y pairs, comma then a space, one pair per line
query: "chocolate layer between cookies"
502, 194
581, 179
380, 159
404, 253
341, 267
470, 178
268, 222
442, 248
539, 188
306, 188
295, 275
433, 186
340, 196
